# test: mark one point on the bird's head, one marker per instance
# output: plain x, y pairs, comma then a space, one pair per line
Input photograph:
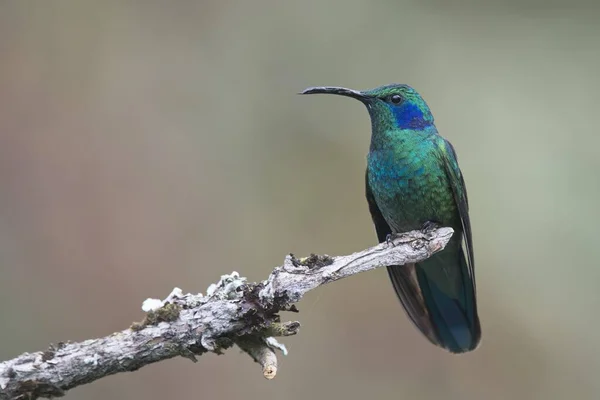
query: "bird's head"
394, 106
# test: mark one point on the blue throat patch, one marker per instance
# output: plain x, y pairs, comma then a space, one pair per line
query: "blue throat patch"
409, 116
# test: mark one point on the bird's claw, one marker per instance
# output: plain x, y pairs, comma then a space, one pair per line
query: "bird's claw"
389, 239
429, 226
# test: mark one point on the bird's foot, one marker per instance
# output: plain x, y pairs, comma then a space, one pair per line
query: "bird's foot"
389, 239
429, 226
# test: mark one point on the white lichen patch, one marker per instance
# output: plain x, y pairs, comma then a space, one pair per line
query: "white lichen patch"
175, 297
152, 304
93, 360
227, 287
274, 344
175, 294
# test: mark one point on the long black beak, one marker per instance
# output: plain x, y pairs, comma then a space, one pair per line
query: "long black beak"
340, 91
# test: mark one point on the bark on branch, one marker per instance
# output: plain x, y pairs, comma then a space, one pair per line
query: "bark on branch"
232, 311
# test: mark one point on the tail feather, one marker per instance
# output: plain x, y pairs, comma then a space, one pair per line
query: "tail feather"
439, 297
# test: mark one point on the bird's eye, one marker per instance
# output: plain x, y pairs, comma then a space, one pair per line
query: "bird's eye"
396, 99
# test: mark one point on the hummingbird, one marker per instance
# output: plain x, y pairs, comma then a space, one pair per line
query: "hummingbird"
413, 182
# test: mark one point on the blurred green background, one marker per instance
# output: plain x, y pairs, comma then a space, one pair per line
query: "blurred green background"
147, 145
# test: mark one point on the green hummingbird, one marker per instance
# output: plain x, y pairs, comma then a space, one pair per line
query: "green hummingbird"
413, 182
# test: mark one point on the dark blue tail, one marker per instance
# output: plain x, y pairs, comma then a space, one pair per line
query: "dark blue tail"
439, 297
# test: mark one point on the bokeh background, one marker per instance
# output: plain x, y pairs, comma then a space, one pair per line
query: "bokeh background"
148, 145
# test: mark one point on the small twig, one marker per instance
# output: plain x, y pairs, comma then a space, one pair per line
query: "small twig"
260, 352
232, 312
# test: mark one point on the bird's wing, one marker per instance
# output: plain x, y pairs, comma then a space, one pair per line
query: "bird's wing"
403, 277
381, 226
448, 158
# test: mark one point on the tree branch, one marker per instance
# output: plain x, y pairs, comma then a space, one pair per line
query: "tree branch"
232, 312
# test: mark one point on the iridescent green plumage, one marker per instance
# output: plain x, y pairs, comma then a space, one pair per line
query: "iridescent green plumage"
413, 180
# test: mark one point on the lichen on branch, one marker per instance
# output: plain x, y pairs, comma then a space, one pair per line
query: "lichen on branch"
232, 311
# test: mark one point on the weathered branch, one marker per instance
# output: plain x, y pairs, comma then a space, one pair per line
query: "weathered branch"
232, 312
